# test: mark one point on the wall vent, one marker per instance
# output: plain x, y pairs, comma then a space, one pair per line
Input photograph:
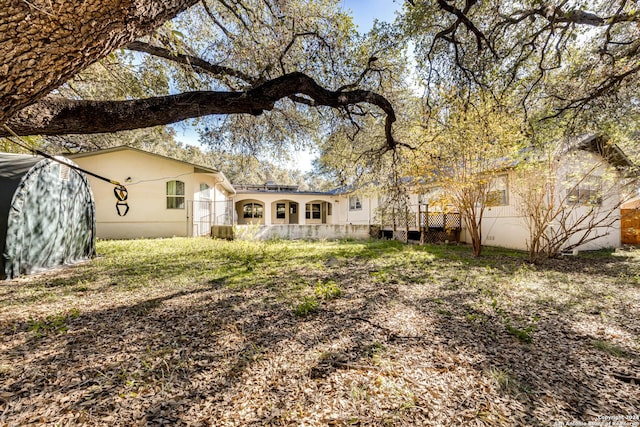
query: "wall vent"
64, 172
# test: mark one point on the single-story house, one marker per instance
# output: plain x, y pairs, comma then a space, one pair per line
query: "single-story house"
169, 197
589, 177
166, 197
47, 214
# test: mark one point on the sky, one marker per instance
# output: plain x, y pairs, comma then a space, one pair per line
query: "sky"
364, 12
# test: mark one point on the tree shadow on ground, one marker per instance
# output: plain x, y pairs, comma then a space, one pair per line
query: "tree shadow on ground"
547, 362
397, 347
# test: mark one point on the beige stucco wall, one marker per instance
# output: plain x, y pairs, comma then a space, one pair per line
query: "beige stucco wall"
145, 177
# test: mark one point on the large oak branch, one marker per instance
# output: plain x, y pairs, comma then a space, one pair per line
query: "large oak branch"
59, 116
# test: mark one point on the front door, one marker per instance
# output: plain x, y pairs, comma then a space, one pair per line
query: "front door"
293, 213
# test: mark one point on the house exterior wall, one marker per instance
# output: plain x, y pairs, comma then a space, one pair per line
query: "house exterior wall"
365, 215
506, 226
577, 161
145, 177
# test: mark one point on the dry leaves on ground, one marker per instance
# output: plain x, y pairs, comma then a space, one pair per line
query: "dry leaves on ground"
415, 336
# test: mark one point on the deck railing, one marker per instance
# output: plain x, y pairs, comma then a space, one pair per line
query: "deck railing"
433, 224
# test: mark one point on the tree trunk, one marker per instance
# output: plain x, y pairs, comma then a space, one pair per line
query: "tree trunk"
44, 43
475, 230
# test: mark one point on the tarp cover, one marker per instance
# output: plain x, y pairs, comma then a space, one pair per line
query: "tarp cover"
47, 215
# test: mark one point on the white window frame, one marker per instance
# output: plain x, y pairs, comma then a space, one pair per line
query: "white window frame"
354, 203
588, 192
175, 197
499, 193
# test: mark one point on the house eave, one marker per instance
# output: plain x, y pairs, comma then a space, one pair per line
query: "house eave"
196, 168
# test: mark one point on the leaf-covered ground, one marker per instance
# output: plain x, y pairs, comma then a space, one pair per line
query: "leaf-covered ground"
205, 332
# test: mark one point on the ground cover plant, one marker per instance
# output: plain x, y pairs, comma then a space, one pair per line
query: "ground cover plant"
208, 332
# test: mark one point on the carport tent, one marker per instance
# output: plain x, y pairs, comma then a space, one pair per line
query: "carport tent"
47, 215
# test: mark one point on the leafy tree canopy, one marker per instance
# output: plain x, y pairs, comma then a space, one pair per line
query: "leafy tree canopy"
258, 73
577, 51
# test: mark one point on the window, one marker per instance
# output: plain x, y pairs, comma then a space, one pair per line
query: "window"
175, 195
498, 196
586, 192
281, 210
329, 209
293, 208
204, 193
313, 211
354, 203
252, 210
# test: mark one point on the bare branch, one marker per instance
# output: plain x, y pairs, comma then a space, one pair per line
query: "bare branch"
293, 40
602, 89
193, 61
216, 21
464, 19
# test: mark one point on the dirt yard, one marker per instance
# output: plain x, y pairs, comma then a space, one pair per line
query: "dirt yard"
201, 332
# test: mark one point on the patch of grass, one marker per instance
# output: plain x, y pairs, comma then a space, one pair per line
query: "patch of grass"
381, 276
475, 317
609, 347
506, 382
327, 290
54, 323
307, 306
360, 392
524, 333
374, 352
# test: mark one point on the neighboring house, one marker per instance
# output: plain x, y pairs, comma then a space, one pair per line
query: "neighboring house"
167, 197
589, 175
